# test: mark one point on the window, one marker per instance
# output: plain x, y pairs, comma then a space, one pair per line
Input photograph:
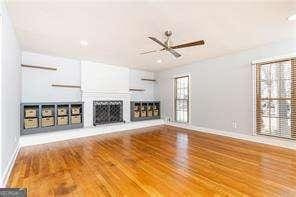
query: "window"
182, 99
276, 99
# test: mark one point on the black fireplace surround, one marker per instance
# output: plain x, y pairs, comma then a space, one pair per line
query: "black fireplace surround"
106, 112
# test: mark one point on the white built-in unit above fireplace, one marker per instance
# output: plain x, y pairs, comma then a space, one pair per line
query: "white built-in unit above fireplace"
101, 82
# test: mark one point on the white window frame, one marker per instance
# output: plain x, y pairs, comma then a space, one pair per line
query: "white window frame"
188, 100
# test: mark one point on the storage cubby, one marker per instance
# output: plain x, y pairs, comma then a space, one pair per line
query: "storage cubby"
63, 114
46, 117
30, 123
63, 110
145, 110
76, 111
156, 109
47, 110
150, 109
31, 111
30, 114
136, 110
63, 120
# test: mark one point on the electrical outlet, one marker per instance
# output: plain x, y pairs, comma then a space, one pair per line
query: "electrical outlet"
168, 119
234, 124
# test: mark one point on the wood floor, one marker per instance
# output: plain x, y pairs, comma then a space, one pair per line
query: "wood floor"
156, 161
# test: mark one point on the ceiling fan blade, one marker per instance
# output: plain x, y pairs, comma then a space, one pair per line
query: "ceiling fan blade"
191, 44
158, 42
152, 51
149, 52
175, 53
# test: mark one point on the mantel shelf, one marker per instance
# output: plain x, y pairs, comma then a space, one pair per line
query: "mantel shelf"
65, 86
40, 67
145, 79
135, 89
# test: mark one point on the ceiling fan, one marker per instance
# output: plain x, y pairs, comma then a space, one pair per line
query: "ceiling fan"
167, 47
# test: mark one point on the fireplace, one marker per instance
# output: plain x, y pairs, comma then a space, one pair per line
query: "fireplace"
107, 112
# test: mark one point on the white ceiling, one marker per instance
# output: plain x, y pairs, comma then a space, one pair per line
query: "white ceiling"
117, 31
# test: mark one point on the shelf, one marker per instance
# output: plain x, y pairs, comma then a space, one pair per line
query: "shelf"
25, 130
138, 90
65, 86
75, 114
39, 67
143, 79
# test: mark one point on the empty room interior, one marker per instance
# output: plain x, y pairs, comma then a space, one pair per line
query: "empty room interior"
148, 98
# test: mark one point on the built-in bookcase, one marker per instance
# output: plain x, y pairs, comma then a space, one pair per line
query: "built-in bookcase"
46, 117
145, 110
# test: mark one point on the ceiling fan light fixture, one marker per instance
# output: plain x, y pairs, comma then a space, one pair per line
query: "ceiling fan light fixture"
292, 17
83, 43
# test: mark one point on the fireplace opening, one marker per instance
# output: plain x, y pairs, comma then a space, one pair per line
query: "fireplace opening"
106, 112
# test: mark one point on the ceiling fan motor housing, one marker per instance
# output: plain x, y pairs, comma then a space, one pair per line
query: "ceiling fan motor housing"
168, 33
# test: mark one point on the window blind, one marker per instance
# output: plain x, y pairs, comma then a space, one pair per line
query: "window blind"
293, 101
276, 99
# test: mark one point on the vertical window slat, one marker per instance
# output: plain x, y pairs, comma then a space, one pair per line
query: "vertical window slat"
293, 98
275, 99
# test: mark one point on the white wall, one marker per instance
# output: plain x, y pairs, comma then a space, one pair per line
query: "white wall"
98, 77
221, 88
37, 83
136, 82
10, 92
103, 78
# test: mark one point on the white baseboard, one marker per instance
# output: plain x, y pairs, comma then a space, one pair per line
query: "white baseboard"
42, 138
9, 167
285, 143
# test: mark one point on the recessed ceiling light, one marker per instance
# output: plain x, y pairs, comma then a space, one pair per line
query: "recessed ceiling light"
159, 61
83, 43
292, 17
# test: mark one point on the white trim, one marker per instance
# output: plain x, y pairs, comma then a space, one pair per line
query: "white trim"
9, 167
254, 99
1, 29
285, 143
103, 92
42, 138
174, 99
189, 98
275, 58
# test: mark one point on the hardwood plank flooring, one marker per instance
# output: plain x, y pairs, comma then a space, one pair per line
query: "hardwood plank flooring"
155, 161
